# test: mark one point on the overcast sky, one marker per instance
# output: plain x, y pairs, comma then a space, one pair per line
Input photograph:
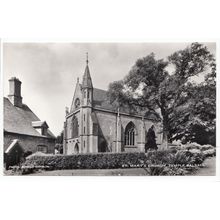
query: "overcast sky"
49, 71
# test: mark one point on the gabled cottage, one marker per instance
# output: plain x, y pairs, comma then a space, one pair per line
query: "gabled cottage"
22, 125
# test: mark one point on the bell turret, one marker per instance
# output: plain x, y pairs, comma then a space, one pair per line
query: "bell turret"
87, 86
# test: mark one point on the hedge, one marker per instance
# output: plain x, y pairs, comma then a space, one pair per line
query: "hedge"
88, 161
114, 160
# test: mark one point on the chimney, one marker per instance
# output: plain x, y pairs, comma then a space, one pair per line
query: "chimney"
15, 92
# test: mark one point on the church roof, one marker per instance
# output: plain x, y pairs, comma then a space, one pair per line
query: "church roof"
19, 120
101, 100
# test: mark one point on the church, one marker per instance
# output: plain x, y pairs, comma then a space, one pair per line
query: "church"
93, 124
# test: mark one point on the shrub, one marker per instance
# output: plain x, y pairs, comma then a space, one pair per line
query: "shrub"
181, 157
207, 147
191, 146
88, 161
209, 153
173, 163
27, 153
161, 162
31, 169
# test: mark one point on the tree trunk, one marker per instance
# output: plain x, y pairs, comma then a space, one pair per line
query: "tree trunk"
165, 138
165, 128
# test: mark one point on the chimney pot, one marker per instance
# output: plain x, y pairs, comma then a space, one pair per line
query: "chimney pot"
15, 92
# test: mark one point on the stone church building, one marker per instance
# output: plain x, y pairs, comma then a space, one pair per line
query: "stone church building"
95, 125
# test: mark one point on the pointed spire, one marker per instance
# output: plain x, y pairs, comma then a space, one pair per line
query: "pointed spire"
87, 81
87, 58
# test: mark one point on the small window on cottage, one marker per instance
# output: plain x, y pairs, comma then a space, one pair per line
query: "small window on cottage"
42, 148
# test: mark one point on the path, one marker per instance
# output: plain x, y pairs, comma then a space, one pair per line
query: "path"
209, 169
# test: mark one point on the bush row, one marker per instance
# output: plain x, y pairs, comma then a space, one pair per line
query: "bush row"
115, 160
88, 161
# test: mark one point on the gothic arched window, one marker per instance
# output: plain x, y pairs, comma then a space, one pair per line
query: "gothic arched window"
75, 127
130, 134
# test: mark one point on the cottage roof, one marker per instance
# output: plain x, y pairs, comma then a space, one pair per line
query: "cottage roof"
39, 124
12, 145
19, 120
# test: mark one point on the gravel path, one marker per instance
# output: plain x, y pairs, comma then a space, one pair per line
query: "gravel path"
209, 168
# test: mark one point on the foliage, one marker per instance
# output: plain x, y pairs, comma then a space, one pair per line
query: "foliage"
27, 153
187, 111
195, 148
194, 111
140, 88
59, 143
161, 162
59, 139
88, 161
173, 162
209, 153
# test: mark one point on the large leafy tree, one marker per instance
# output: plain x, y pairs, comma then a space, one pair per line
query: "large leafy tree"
149, 86
194, 118
143, 87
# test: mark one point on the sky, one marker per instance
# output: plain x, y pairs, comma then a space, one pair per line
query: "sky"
49, 71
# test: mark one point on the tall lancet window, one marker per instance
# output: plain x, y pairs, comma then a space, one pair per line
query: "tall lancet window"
75, 127
130, 134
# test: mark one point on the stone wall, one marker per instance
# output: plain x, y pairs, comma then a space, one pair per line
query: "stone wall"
108, 125
107, 128
29, 143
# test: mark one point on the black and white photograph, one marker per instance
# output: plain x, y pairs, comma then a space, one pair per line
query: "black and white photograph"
109, 109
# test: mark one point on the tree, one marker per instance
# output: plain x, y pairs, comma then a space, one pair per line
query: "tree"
59, 143
143, 87
195, 120
149, 86
193, 109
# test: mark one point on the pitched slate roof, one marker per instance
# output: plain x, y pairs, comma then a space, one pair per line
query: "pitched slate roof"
19, 120
39, 124
101, 100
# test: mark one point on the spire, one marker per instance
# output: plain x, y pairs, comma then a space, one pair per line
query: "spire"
87, 81
87, 58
